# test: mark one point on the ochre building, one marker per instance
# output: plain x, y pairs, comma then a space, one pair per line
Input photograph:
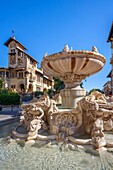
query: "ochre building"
22, 74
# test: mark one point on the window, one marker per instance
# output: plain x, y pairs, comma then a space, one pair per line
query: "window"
19, 52
38, 78
13, 86
7, 74
34, 64
22, 55
30, 75
20, 61
12, 50
31, 62
12, 45
12, 59
0, 73
12, 75
48, 83
20, 74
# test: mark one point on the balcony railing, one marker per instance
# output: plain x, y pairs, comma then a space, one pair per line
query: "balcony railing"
12, 53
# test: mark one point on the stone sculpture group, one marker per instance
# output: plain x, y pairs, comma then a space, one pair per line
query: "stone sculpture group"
93, 115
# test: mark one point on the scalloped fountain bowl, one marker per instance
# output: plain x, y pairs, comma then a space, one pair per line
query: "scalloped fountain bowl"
72, 66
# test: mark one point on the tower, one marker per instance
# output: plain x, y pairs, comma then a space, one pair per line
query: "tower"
16, 55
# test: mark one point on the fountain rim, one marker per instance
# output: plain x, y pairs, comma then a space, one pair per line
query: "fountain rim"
74, 53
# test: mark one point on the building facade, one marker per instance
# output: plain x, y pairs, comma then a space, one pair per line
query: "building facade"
22, 74
107, 88
110, 39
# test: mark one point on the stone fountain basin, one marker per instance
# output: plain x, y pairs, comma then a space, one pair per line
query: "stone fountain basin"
78, 62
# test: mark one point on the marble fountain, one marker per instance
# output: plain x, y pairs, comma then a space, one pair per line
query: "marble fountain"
84, 124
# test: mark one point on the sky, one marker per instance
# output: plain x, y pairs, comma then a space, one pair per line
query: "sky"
48, 25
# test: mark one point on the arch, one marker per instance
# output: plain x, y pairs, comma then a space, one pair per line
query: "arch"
21, 87
30, 89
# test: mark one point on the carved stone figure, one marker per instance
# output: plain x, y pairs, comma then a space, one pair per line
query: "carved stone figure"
31, 121
94, 49
98, 139
96, 96
45, 55
66, 48
34, 116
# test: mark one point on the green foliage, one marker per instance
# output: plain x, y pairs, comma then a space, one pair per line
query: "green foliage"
58, 84
81, 85
45, 90
50, 92
5, 91
38, 94
9, 98
95, 90
1, 84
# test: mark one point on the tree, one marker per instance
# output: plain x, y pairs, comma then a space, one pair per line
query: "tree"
1, 83
81, 85
95, 90
58, 84
9, 98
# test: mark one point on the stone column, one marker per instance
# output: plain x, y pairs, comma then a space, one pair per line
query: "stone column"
26, 82
70, 96
72, 92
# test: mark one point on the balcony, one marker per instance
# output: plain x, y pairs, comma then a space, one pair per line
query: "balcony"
12, 53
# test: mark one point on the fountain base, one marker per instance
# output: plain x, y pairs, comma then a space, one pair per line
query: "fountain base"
70, 97
93, 115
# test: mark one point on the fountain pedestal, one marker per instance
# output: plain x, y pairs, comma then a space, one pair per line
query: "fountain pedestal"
72, 94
